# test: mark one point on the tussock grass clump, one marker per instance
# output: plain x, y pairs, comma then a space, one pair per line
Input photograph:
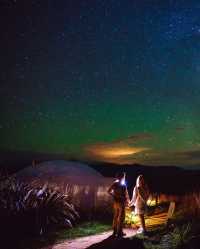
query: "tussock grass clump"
33, 210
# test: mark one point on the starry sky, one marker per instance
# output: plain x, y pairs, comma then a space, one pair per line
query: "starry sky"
102, 80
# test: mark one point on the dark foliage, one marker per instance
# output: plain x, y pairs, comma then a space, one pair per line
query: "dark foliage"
27, 210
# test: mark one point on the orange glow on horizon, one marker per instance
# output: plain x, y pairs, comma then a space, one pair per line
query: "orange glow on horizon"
111, 152
117, 152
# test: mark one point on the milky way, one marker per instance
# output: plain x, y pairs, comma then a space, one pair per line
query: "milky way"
83, 78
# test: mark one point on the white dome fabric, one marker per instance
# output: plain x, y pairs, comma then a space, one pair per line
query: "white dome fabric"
86, 187
59, 168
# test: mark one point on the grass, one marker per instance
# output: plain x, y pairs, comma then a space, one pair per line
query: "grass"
184, 232
176, 235
53, 237
86, 229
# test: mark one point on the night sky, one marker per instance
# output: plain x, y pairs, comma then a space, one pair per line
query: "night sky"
115, 81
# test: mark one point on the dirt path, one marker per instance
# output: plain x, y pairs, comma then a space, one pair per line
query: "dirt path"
82, 243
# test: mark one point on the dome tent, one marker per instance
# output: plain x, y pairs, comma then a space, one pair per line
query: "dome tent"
86, 187
60, 168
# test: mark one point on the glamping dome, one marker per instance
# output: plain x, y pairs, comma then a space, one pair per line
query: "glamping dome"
86, 187
70, 171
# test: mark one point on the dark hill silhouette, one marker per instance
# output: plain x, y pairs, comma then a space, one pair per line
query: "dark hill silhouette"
166, 179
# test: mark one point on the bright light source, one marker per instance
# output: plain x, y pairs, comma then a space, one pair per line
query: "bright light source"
123, 182
151, 202
131, 218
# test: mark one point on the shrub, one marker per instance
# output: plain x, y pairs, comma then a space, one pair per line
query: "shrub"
180, 235
33, 209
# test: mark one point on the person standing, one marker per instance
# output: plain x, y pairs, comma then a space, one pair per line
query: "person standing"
139, 199
121, 198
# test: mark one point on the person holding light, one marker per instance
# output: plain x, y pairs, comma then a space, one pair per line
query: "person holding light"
119, 192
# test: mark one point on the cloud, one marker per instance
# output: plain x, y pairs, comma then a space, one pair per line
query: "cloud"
138, 148
185, 157
180, 129
184, 127
112, 151
118, 150
190, 154
126, 154
140, 136
137, 137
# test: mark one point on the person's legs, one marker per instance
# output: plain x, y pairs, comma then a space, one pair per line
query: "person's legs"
121, 218
142, 222
115, 218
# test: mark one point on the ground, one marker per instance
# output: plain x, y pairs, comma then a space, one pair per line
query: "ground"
103, 240
85, 242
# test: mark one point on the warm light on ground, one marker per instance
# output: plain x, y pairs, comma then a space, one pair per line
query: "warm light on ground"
151, 202
151, 221
130, 218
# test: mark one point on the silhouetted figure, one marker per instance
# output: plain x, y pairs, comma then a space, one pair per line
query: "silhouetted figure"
120, 196
139, 199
